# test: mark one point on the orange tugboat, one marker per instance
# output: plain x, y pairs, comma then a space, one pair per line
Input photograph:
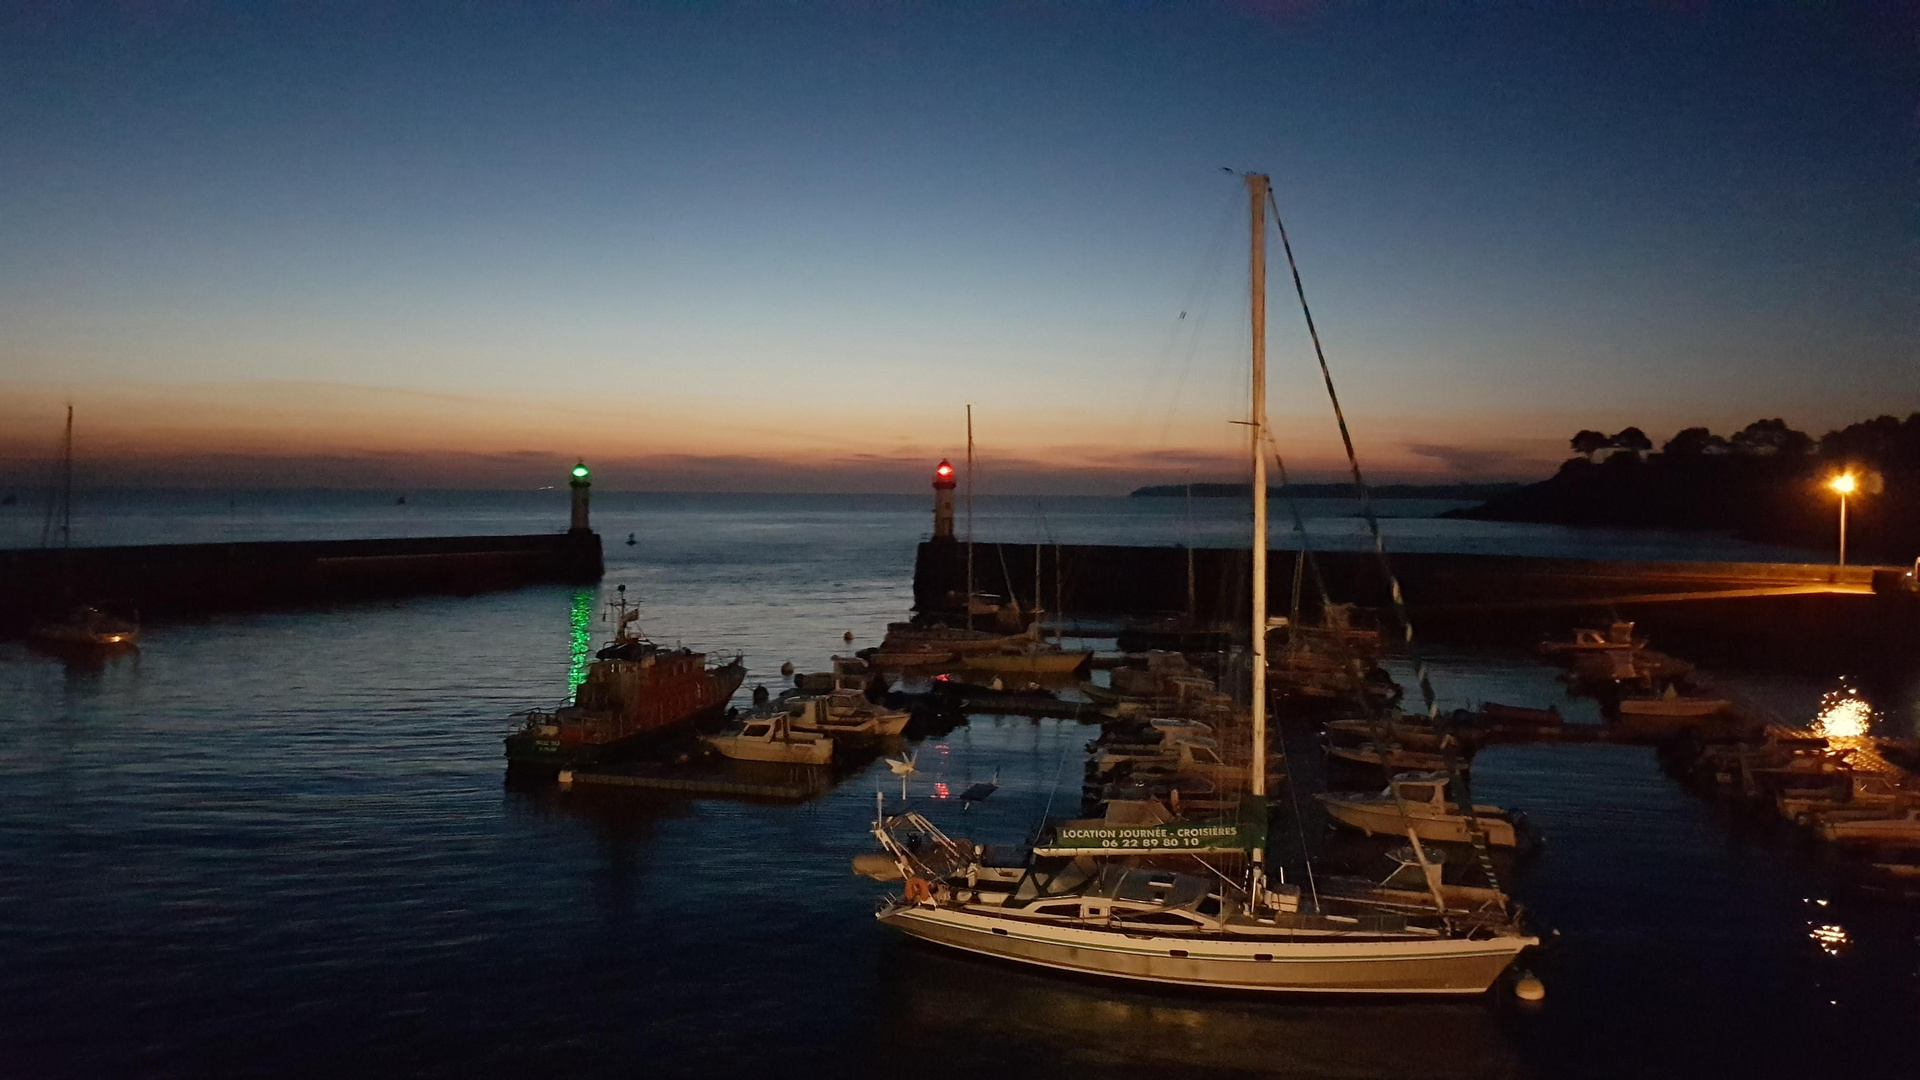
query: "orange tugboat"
633, 690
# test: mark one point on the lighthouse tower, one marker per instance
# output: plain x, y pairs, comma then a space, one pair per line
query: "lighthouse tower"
943, 501
581, 485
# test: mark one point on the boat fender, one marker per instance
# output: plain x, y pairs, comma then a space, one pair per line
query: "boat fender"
918, 890
1528, 987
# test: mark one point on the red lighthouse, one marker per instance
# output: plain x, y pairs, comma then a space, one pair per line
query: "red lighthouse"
943, 501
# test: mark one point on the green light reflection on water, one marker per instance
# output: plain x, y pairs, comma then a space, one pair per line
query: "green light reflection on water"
581, 643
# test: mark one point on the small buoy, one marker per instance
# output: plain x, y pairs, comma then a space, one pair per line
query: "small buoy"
848, 636
1528, 987
565, 778
786, 668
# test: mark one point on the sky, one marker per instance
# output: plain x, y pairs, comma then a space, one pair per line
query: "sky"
782, 246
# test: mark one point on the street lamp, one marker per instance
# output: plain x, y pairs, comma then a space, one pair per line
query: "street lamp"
1843, 485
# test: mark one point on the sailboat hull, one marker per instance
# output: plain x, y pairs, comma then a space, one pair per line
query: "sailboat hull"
1338, 965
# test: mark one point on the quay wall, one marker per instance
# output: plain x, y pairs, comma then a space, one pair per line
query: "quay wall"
192, 579
1810, 616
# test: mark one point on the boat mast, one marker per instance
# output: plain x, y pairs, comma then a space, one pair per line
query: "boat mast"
1257, 303
969, 516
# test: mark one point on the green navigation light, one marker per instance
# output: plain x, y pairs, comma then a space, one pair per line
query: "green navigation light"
580, 472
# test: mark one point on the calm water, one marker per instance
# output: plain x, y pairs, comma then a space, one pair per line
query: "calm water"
279, 844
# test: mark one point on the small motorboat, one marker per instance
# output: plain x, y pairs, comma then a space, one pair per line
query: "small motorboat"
1418, 802
1401, 732
772, 738
1668, 716
87, 628
1396, 757
1616, 637
1676, 706
1903, 828
845, 714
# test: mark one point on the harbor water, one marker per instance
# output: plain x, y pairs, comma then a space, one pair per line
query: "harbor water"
280, 843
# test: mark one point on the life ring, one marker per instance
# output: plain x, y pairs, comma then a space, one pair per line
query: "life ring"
918, 890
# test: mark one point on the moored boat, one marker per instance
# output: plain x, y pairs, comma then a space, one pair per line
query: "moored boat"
1617, 637
845, 714
1033, 657
772, 738
1392, 757
1086, 913
1899, 828
634, 690
1418, 803
1665, 717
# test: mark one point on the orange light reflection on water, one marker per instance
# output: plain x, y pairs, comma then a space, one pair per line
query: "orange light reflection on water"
1830, 937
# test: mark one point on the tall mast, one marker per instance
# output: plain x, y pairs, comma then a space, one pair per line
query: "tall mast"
1257, 297
969, 516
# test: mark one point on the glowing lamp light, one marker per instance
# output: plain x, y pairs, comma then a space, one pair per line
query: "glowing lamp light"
945, 470
1843, 715
1843, 484
580, 471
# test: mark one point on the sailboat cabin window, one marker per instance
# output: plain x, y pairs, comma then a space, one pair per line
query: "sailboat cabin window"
1058, 909
756, 731
1205, 756
1417, 792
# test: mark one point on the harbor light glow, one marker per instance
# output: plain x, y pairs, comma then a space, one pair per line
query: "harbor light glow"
1843, 714
1843, 484
580, 471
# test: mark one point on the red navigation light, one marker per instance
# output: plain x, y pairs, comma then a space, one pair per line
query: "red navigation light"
944, 469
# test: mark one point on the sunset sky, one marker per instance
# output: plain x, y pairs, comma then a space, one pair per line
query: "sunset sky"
781, 247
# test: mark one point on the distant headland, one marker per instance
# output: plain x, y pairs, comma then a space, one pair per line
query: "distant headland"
1766, 482
1444, 492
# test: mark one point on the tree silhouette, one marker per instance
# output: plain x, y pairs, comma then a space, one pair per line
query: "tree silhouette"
1588, 443
1692, 442
1771, 437
1632, 439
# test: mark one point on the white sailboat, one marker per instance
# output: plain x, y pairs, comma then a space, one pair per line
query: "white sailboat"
1091, 901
